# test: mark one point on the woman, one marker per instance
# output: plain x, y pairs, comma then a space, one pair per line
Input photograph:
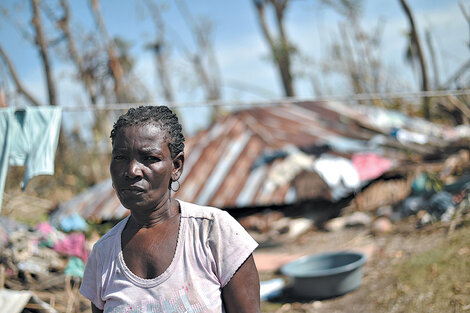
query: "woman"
167, 255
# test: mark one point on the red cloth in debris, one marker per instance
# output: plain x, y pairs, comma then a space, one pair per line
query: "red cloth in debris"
45, 228
370, 165
73, 245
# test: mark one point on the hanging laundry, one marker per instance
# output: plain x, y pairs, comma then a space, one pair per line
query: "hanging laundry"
30, 139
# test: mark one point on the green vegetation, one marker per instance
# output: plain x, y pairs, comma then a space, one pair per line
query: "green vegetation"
437, 280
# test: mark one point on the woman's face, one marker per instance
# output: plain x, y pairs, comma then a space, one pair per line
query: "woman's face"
141, 166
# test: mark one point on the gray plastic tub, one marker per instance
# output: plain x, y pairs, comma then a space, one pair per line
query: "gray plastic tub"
326, 275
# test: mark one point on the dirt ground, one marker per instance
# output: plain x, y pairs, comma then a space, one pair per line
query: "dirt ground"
382, 251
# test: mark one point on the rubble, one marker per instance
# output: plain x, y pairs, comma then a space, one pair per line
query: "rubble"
381, 225
41, 261
356, 219
15, 301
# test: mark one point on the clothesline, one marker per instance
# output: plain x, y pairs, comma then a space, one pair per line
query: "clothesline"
28, 140
273, 102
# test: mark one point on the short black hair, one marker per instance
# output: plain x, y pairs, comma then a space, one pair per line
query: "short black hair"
160, 115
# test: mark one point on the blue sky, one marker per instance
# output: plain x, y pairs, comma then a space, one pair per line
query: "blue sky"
239, 45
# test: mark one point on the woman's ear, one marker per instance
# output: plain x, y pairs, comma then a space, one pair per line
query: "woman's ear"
178, 163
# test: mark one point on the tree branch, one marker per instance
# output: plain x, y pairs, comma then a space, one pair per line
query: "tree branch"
64, 25
114, 64
16, 80
41, 43
159, 48
422, 61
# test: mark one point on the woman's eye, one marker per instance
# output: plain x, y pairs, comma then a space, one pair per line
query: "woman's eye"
118, 157
152, 158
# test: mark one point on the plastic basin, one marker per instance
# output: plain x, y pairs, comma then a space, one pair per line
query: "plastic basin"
325, 275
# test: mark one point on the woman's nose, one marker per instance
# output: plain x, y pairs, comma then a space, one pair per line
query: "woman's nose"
134, 169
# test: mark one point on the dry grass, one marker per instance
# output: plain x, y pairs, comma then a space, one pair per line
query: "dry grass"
437, 280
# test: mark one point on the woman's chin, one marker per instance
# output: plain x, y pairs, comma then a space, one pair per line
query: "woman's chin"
132, 203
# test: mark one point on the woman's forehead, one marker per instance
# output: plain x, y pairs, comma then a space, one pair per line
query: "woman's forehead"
150, 128
148, 131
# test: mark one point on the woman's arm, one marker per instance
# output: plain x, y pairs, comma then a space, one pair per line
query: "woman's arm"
241, 294
94, 309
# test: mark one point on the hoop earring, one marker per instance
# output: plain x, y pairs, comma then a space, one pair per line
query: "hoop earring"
171, 186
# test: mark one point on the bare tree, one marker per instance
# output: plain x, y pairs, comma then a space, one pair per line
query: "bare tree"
356, 53
114, 64
16, 80
280, 47
160, 47
42, 45
86, 77
432, 53
457, 75
466, 15
203, 59
416, 46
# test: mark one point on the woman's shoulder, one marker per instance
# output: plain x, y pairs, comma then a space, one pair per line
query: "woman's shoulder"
192, 210
112, 233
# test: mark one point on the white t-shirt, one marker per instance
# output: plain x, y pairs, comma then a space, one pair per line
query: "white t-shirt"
211, 247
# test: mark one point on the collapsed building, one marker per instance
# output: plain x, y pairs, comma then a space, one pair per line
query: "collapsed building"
326, 157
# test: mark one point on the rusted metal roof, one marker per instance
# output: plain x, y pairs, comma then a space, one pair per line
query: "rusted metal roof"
219, 164
98, 203
233, 163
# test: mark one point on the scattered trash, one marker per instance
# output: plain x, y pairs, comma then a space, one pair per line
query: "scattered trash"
75, 267
299, 226
441, 206
335, 224
426, 184
15, 301
356, 219
271, 288
385, 211
412, 205
73, 245
40, 257
380, 226
73, 222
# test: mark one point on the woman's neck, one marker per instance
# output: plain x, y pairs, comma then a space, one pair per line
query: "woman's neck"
162, 212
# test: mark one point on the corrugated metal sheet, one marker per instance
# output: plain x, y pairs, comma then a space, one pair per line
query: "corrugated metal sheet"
96, 204
219, 169
221, 173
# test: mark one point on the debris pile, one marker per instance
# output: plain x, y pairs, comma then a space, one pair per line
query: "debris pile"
429, 192
42, 260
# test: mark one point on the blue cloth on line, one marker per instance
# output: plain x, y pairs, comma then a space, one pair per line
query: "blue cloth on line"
30, 138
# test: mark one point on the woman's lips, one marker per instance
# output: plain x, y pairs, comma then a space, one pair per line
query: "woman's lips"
133, 190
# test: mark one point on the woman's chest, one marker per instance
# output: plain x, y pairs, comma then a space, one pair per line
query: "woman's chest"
148, 254
183, 291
